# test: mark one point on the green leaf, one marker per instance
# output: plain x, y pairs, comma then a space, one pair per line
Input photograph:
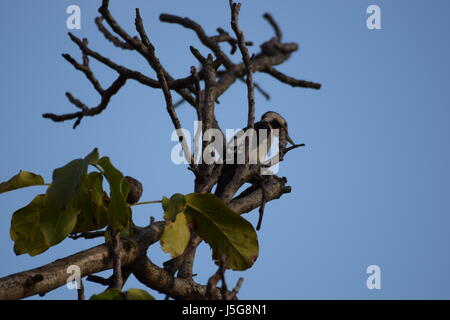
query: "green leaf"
22, 180
138, 294
92, 158
109, 294
224, 230
119, 213
25, 230
59, 215
176, 236
93, 212
173, 206
165, 203
116, 294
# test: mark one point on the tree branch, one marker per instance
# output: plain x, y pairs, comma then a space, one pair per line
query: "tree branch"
291, 81
251, 198
276, 28
91, 261
97, 259
110, 37
105, 98
207, 41
235, 8
116, 248
156, 65
259, 63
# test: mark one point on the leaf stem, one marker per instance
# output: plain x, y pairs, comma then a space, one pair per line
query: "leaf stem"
146, 202
98, 168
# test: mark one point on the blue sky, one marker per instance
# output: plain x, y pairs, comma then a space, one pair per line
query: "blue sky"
371, 187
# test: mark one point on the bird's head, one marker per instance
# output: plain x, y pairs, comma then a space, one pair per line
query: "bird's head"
276, 121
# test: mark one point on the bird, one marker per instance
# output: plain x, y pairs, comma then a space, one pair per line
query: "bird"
275, 126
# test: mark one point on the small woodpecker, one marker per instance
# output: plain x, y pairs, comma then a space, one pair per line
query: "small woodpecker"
270, 121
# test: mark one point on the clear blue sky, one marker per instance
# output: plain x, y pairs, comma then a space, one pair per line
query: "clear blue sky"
371, 187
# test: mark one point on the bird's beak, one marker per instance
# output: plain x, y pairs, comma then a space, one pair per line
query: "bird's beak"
289, 139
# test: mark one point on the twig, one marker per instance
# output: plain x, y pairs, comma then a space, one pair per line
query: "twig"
128, 73
142, 48
117, 265
179, 103
222, 278
105, 98
235, 291
225, 36
235, 8
156, 64
211, 287
291, 81
185, 270
277, 158
197, 55
207, 41
109, 36
80, 291
88, 235
250, 198
258, 87
263, 202
259, 63
85, 69
276, 28
294, 147
197, 92
214, 279
100, 280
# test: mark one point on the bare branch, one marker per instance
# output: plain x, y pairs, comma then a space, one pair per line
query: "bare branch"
100, 280
158, 279
235, 8
279, 157
207, 41
225, 36
185, 270
291, 81
128, 73
86, 70
91, 261
110, 37
263, 204
259, 63
212, 290
235, 291
155, 63
294, 147
106, 97
251, 198
196, 87
276, 28
80, 291
54, 275
258, 87
88, 235
117, 279
197, 55
77, 103
142, 48
219, 275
